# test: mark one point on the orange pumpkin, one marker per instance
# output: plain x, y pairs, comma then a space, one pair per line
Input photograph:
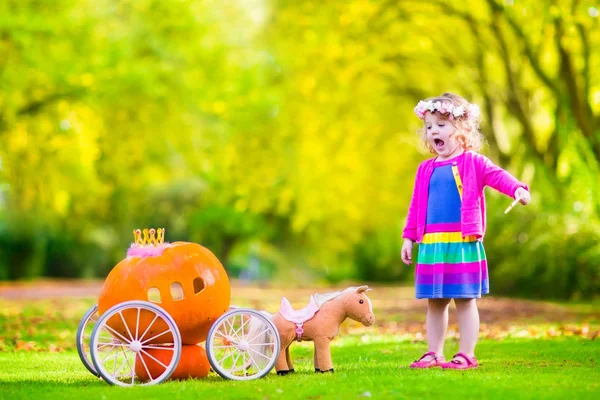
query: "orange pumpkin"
192, 285
192, 364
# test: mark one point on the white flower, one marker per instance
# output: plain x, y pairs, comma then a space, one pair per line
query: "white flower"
458, 111
474, 111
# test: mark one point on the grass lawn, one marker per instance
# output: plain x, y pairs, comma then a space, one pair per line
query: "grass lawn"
513, 368
528, 350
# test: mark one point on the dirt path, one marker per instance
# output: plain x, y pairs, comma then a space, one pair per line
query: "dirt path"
389, 301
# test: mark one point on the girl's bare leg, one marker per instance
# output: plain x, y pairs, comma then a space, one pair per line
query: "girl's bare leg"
468, 325
437, 324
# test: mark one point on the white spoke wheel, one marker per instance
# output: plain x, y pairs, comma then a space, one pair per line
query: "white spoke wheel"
135, 343
84, 333
242, 345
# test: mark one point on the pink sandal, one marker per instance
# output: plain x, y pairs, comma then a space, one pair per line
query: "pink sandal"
436, 361
461, 361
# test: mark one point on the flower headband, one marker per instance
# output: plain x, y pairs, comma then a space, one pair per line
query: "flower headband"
446, 107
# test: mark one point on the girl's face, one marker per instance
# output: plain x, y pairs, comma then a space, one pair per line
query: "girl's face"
440, 136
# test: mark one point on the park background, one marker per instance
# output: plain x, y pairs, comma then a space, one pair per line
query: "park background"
280, 134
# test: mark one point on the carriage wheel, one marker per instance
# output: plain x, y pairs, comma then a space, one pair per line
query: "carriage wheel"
84, 332
242, 345
135, 343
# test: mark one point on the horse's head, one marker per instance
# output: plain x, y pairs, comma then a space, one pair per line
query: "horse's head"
358, 306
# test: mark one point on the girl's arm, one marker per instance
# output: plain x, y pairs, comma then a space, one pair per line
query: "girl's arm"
499, 179
410, 230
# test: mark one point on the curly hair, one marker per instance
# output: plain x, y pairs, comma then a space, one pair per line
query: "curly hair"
466, 127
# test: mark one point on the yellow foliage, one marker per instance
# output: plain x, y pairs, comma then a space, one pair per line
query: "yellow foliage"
299, 110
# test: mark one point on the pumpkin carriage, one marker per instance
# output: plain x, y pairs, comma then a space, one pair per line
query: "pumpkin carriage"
155, 309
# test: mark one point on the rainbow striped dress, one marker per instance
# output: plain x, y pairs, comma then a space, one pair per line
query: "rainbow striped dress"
448, 265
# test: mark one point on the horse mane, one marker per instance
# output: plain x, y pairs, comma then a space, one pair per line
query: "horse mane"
322, 298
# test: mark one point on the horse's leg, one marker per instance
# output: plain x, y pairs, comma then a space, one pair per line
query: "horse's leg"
316, 359
323, 354
281, 366
289, 359
287, 334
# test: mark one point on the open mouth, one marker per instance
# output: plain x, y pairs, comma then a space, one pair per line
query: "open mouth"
439, 143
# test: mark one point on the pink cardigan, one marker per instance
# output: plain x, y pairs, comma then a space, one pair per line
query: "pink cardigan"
476, 172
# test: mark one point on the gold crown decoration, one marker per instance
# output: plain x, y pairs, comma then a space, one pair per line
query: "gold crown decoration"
149, 237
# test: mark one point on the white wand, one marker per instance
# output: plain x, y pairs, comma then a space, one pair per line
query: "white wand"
514, 203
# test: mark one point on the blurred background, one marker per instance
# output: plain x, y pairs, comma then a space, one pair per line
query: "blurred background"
280, 134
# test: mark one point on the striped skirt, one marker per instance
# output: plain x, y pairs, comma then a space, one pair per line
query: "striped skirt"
450, 266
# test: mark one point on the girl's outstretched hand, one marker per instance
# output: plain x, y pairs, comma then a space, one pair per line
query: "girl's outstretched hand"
523, 196
407, 251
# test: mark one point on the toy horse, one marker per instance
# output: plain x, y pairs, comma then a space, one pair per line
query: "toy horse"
319, 321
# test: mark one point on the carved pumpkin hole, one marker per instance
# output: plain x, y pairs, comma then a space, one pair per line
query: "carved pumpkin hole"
198, 285
176, 291
154, 295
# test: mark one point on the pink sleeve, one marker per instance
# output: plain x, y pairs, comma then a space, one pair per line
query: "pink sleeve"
410, 230
499, 179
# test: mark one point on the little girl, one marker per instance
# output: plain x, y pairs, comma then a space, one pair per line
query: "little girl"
447, 218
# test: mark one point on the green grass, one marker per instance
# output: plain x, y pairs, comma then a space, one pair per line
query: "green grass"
525, 369
528, 350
